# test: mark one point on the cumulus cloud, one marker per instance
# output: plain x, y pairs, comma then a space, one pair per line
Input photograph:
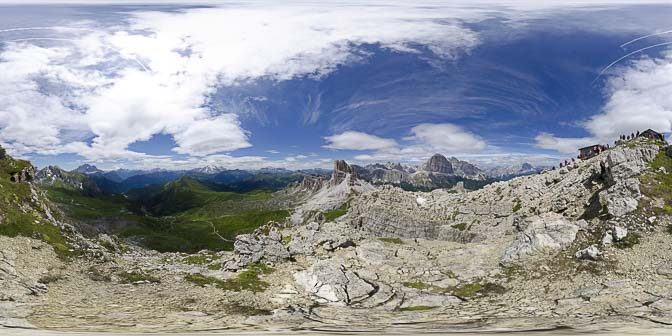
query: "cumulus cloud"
639, 96
97, 92
352, 140
423, 141
562, 145
447, 138
209, 136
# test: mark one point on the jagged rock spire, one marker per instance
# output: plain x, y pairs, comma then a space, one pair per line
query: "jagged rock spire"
341, 170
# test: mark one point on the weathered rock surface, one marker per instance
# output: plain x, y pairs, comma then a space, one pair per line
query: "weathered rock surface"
620, 170
255, 247
329, 281
544, 234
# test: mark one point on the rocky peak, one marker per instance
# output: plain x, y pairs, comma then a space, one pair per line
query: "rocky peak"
466, 169
87, 169
311, 182
57, 177
341, 170
526, 166
438, 164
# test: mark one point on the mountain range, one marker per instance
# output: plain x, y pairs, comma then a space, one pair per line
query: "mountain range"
437, 172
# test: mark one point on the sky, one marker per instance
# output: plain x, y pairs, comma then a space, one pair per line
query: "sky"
298, 84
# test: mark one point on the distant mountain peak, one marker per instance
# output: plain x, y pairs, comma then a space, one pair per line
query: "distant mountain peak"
438, 164
87, 169
209, 169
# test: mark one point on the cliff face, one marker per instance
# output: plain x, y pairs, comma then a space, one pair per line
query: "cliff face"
438, 164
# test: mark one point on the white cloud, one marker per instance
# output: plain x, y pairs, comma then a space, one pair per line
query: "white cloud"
296, 158
210, 136
98, 92
638, 97
423, 141
562, 145
447, 138
352, 140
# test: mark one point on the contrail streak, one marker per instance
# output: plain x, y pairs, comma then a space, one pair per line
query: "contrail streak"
45, 28
645, 37
39, 38
28, 39
626, 56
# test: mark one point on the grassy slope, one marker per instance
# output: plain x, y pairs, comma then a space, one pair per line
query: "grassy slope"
657, 184
183, 215
82, 207
15, 222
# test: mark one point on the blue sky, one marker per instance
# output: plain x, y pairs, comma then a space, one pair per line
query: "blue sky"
299, 84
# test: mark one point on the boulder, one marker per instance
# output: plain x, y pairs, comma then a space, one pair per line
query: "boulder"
543, 234
622, 198
619, 233
329, 281
256, 246
589, 253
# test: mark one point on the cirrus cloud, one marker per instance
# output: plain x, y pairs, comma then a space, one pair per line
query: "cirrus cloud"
639, 96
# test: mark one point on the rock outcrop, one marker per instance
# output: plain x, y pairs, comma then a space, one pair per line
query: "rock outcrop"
621, 170
256, 246
330, 281
544, 234
26, 174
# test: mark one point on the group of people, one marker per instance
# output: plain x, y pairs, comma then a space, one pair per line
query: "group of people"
601, 148
566, 163
626, 137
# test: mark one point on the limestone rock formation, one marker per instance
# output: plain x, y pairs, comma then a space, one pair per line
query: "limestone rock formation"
438, 164
620, 171
466, 169
335, 192
341, 170
256, 246
330, 281
544, 234
436, 172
